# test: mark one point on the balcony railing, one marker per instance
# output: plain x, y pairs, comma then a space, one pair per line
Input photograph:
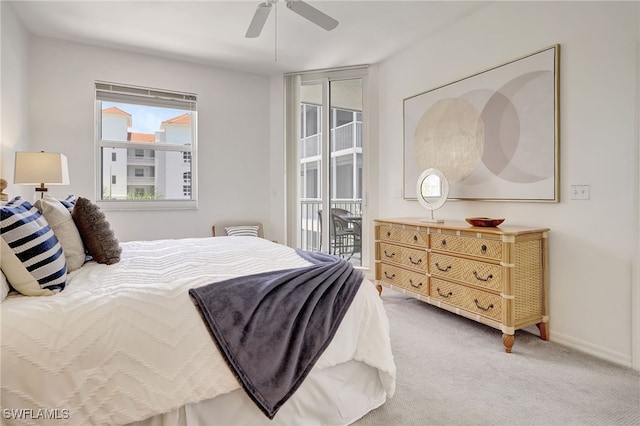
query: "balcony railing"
343, 137
347, 136
310, 146
311, 227
141, 180
133, 160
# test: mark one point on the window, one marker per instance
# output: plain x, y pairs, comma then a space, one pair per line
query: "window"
146, 140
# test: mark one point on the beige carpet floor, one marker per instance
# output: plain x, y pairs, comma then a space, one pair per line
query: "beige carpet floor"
454, 371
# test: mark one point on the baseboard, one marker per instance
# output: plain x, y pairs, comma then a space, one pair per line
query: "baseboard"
591, 349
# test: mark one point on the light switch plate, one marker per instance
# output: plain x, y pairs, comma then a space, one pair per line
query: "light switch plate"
580, 192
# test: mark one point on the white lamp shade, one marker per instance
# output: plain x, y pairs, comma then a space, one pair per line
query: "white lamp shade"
35, 168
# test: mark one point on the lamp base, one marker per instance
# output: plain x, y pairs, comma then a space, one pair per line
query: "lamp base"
42, 190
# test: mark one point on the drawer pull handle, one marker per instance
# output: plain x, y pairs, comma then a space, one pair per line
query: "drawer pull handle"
445, 295
443, 269
443, 243
414, 285
482, 308
392, 276
415, 238
388, 234
389, 255
475, 274
483, 249
419, 261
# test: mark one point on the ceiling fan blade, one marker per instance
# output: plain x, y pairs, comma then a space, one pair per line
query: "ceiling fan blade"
312, 14
259, 18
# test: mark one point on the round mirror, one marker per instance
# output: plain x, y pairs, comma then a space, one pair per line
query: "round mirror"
432, 189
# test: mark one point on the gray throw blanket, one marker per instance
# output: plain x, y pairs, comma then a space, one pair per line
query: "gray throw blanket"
272, 327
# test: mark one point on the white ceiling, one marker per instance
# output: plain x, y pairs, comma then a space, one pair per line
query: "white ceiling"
212, 32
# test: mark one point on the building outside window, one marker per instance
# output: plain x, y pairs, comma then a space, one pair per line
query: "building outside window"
346, 154
146, 140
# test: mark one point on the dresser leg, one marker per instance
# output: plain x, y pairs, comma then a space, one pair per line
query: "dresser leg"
379, 288
544, 330
507, 341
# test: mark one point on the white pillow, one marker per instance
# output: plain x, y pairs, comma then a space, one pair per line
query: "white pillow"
5, 287
59, 219
242, 231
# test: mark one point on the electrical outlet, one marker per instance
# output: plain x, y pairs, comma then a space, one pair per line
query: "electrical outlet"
580, 192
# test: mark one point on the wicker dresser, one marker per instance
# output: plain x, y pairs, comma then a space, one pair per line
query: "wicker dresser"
496, 276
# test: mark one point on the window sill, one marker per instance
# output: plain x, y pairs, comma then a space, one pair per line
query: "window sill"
148, 205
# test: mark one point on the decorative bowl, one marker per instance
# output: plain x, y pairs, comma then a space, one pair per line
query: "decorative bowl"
485, 222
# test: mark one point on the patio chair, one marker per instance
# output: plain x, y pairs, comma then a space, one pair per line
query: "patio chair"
346, 236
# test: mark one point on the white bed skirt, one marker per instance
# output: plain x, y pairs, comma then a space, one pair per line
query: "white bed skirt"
337, 395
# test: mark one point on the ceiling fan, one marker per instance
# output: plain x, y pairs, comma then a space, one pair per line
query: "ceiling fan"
298, 6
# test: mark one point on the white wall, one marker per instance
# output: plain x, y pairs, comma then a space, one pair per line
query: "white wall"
14, 131
591, 242
233, 132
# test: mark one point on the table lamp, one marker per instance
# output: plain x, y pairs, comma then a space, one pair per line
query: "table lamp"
40, 168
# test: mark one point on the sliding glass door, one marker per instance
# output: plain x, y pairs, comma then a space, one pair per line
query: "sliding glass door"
330, 166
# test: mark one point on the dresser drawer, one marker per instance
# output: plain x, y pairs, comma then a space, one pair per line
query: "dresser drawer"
402, 278
414, 258
389, 233
477, 301
489, 249
404, 236
469, 271
414, 237
390, 253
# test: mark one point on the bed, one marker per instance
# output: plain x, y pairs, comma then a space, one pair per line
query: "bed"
125, 344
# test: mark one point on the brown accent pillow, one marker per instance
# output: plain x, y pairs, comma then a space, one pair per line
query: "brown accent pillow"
96, 233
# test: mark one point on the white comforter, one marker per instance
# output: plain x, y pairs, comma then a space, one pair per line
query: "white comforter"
124, 342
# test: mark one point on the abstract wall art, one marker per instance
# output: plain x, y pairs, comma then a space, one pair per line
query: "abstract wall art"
494, 134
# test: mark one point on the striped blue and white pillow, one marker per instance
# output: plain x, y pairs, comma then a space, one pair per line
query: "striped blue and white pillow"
30, 237
69, 202
242, 231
